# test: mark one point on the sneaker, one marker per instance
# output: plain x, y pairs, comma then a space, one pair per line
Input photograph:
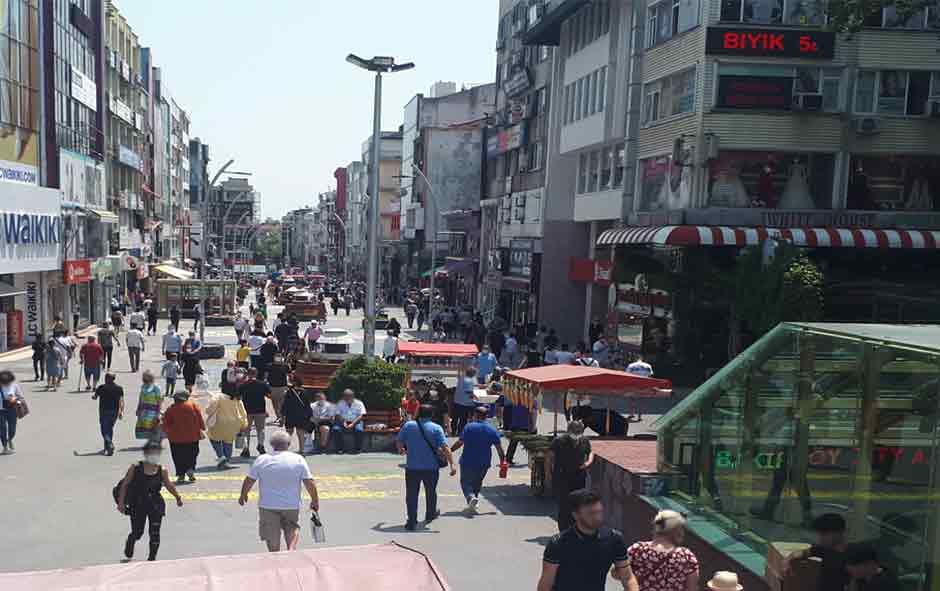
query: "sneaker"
431, 518
6, 449
191, 475
180, 480
11, 447
261, 449
220, 465
411, 525
246, 453
474, 505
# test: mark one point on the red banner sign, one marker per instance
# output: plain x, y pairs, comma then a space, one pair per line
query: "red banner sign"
77, 271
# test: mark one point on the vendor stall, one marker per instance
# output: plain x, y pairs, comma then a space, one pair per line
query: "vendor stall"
443, 362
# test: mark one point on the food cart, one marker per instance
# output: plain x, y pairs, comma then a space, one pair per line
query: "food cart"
376, 567
444, 362
557, 386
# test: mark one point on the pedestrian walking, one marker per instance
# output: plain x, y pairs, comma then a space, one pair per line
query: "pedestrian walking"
477, 439
390, 347
198, 311
421, 318
411, 311
486, 364
55, 360
662, 564
110, 399
192, 369
117, 320
151, 319
579, 558
266, 354
12, 408
136, 343
92, 357
170, 372
312, 336
39, 357
464, 400
148, 409
184, 427
255, 341
175, 317
139, 498
225, 419
279, 476
254, 394
137, 319
240, 325
68, 345
107, 338
296, 411
243, 355
424, 444
172, 342
571, 457
277, 379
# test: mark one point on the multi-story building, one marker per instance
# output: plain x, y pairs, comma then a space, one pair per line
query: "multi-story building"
356, 223
512, 212
341, 219
231, 215
390, 255
442, 137
179, 176
198, 183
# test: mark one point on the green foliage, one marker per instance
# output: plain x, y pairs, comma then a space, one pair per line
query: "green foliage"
379, 385
789, 288
848, 16
268, 245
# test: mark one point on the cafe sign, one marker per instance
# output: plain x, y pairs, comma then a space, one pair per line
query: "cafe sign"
786, 43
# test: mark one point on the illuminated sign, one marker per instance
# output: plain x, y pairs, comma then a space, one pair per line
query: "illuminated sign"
798, 43
754, 92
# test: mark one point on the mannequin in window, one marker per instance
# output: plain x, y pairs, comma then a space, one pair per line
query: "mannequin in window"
796, 193
766, 192
860, 190
919, 197
728, 190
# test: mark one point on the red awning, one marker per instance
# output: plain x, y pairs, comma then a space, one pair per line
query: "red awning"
590, 379
436, 349
741, 236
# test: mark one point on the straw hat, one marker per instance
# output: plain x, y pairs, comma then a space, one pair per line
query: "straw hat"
725, 581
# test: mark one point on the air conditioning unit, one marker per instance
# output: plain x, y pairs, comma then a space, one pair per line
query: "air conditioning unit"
933, 108
808, 102
867, 125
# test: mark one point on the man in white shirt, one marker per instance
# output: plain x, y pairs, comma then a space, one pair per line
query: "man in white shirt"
254, 343
279, 476
640, 368
172, 342
138, 319
390, 348
240, 324
135, 344
564, 357
349, 415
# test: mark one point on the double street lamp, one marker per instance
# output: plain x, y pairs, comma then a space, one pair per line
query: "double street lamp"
380, 65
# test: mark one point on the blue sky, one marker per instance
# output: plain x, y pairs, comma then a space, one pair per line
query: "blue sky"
266, 82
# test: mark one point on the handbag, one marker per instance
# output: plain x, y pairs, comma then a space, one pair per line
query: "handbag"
441, 462
22, 409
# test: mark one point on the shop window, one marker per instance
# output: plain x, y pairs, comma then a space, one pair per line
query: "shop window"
605, 169
669, 18
669, 96
593, 172
892, 182
772, 180
654, 183
805, 81
895, 92
619, 163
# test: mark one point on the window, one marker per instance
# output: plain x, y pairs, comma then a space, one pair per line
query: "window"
669, 18
827, 81
605, 168
669, 96
586, 96
582, 173
619, 159
601, 88
895, 92
592, 95
587, 25
536, 155
598, 170
593, 172
793, 12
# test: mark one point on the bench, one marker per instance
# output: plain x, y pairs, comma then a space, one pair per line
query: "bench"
390, 418
305, 311
316, 375
375, 440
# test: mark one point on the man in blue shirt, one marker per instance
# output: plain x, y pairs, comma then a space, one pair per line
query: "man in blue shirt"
464, 400
486, 363
423, 441
476, 440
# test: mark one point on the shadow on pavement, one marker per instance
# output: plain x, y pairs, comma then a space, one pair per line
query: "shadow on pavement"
541, 540
381, 527
515, 499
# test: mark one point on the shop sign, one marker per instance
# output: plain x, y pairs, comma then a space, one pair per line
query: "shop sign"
520, 257
17, 172
130, 158
908, 462
78, 271
507, 139
32, 308
603, 271
754, 92
792, 43
121, 110
643, 302
84, 89
518, 83
129, 262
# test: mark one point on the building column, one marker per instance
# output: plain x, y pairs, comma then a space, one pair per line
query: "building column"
589, 286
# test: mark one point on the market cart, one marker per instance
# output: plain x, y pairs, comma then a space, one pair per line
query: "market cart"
555, 386
430, 363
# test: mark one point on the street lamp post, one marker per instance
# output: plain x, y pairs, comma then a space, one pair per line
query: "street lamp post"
204, 287
379, 65
419, 172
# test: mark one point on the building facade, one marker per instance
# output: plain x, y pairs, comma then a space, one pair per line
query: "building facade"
391, 256
356, 223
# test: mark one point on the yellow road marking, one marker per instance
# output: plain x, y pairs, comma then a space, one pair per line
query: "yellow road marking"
316, 478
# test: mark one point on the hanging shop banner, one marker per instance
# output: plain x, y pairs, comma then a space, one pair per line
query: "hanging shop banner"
30, 228
520, 257
798, 43
78, 271
129, 262
643, 302
754, 92
603, 271
84, 90
518, 83
504, 140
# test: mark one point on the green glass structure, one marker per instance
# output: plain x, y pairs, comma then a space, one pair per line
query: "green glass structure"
815, 418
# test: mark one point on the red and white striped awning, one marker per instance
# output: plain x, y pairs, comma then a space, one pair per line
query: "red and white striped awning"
739, 236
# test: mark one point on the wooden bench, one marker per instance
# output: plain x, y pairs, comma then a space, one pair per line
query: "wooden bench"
374, 440
390, 418
306, 311
316, 375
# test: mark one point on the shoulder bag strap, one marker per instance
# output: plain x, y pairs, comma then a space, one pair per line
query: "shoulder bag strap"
426, 440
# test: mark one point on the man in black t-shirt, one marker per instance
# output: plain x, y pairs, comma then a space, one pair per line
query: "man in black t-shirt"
579, 558
254, 394
266, 354
830, 548
110, 399
571, 457
861, 563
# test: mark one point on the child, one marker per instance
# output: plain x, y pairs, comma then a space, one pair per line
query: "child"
170, 371
243, 355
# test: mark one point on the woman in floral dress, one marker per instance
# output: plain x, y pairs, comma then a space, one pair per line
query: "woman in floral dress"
148, 409
663, 564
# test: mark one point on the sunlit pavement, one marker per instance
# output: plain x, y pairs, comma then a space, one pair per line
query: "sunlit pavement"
58, 511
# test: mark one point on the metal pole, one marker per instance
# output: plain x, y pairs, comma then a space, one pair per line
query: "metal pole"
431, 199
204, 288
368, 342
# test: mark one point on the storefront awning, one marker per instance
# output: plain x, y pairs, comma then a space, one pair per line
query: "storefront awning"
174, 272
106, 217
590, 379
739, 236
418, 349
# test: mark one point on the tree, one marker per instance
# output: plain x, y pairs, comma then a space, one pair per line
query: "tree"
849, 16
268, 245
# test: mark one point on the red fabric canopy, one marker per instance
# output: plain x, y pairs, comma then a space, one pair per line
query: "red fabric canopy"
590, 379
419, 349
388, 567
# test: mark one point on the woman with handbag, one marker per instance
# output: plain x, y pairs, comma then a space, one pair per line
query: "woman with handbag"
184, 427
296, 411
13, 408
225, 419
424, 443
662, 564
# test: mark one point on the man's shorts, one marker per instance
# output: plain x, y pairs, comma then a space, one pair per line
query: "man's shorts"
271, 522
93, 372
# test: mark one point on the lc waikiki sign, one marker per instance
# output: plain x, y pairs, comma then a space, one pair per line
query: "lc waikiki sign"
30, 229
